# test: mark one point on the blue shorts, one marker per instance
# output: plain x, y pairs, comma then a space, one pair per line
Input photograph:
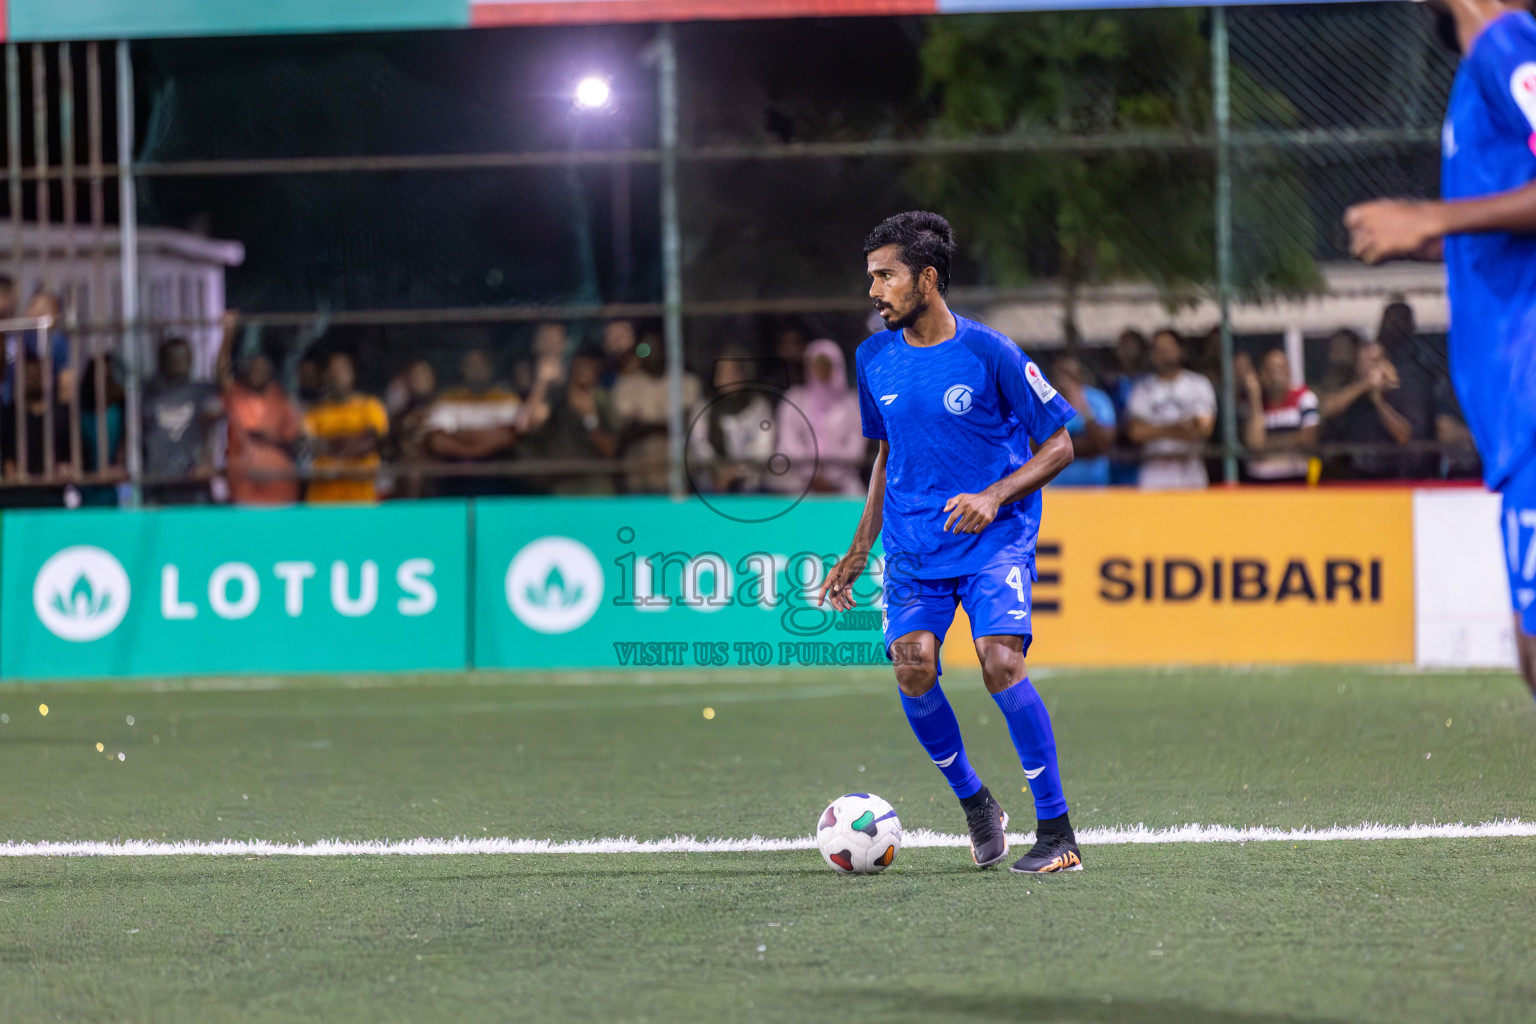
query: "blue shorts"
1519, 494
997, 598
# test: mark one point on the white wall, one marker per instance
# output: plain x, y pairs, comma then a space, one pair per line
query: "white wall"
1461, 589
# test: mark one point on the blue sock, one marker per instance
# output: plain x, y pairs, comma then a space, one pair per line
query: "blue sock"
933, 720
1030, 726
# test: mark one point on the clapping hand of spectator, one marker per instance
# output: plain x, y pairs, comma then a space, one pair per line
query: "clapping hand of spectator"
547, 371
1248, 377
1383, 377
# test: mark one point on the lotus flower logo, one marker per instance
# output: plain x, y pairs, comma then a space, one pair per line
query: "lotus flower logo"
553, 594
554, 585
81, 593
83, 602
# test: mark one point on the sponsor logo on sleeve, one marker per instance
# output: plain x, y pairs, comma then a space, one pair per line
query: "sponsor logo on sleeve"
1037, 381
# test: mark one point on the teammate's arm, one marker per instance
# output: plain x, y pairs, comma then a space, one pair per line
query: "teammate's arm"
839, 582
1391, 228
972, 513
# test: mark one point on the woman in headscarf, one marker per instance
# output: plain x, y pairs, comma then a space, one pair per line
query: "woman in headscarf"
818, 429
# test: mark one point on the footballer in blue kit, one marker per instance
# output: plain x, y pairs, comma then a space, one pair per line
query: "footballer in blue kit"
1485, 228
969, 431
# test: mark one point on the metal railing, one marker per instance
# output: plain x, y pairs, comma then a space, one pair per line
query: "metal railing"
1338, 125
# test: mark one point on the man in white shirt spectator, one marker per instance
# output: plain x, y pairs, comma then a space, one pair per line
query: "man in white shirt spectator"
1171, 412
1281, 420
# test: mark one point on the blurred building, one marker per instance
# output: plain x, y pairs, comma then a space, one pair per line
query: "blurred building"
181, 281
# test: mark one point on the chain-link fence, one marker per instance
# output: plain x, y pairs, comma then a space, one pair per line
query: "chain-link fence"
429, 245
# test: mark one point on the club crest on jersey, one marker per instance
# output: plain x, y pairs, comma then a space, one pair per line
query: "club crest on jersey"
1037, 381
958, 399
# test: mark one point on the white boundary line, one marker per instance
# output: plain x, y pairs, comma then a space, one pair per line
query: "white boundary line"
916, 838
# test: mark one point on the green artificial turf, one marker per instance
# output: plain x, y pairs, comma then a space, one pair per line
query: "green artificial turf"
1402, 930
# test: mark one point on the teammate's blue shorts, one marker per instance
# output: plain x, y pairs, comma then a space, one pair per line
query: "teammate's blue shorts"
1519, 494
997, 599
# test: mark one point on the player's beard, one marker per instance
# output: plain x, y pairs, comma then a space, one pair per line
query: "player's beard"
912, 316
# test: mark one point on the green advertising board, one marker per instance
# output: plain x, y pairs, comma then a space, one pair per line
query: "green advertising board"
651, 582
140, 19
185, 591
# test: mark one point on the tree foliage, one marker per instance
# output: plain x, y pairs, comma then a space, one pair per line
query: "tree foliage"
1132, 194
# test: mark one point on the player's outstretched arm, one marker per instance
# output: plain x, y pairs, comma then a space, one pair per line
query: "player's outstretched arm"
838, 586
1395, 229
972, 513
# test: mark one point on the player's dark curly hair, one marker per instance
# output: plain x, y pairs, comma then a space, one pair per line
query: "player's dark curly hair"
926, 240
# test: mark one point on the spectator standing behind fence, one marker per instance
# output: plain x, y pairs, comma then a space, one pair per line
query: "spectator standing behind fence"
409, 401
789, 345
731, 435
579, 425
640, 406
1092, 430
480, 421
1363, 412
344, 429
34, 409
178, 417
618, 352
263, 426
1130, 367
17, 342
46, 304
1171, 412
1279, 420
1343, 347
1418, 369
550, 340
818, 431
101, 449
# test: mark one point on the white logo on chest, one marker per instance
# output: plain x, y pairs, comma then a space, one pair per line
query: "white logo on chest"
1448, 140
958, 399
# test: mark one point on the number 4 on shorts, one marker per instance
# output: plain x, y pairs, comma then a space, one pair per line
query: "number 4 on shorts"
1015, 579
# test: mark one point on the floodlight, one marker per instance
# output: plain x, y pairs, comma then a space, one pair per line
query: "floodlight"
594, 92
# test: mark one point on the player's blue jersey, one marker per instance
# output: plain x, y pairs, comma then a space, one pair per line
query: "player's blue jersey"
959, 417
1488, 146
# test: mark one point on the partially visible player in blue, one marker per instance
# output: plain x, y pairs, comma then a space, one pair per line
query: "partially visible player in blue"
955, 407
1486, 228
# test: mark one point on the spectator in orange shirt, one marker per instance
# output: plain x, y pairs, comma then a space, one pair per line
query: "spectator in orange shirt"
263, 427
344, 428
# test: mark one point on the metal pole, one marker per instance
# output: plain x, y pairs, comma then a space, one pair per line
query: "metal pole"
70, 291
1222, 102
40, 159
128, 228
671, 261
623, 257
100, 309
44, 335
13, 144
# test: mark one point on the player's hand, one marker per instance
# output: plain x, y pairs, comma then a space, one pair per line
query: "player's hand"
1391, 228
839, 582
970, 513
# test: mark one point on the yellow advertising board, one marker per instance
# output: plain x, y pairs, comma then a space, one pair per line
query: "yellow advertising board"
1220, 577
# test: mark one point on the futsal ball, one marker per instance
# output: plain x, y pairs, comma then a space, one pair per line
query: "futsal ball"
858, 834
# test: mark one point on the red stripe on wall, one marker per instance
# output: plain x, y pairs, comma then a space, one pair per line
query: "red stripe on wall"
564, 12
5, 22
